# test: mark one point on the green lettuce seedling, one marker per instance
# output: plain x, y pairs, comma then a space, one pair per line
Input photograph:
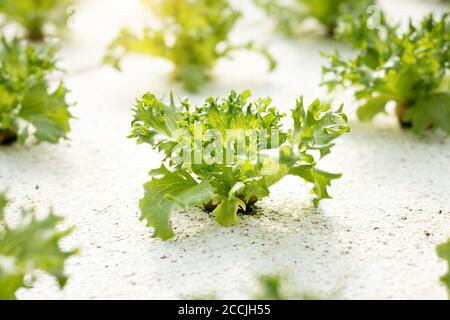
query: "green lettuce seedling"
279, 286
410, 69
225, 154
29, 107
194, 36
31, 246
274, 286
293, 13
443, 252
35, 15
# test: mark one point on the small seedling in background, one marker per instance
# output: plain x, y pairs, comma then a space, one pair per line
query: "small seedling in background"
411, 69
280, 287
28, 107
290, 15
34, 16
194, 36
30, 247
443, 252
225, 154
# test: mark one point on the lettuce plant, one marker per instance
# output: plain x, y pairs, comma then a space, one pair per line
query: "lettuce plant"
194, 35
30, 246
29, 107
443, 252
410, 69
292, 13
225, 154
35, 15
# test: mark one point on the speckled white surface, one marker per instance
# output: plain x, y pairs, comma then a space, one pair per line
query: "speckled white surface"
375, 240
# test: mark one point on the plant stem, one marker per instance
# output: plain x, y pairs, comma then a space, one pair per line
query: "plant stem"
250, 205
35, 32
401, 110
36, 36
331, 31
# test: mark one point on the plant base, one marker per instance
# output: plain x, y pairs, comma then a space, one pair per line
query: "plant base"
36, 36
401, 111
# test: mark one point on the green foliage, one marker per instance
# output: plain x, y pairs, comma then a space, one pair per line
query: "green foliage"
280, 287
214, 159
443, 252
30, 246
194, 35
35, 15
28, 108
292, 13
409, 69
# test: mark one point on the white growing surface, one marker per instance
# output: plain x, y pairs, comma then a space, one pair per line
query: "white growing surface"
375, 239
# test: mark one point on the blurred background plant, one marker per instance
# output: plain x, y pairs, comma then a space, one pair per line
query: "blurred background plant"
194, 35
29, 247
38, 18
290, 15
410, 69
30, 108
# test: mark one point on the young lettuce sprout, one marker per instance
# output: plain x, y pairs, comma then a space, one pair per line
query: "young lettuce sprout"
28, 107
293, 13
279, 286
194, 35
410, 69
225, 154
274, 286
35, 15
443, 252
30, 247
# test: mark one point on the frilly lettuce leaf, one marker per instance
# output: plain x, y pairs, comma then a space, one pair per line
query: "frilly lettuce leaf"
30, 246
431, 111
292, 13
194, 35
166, 191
